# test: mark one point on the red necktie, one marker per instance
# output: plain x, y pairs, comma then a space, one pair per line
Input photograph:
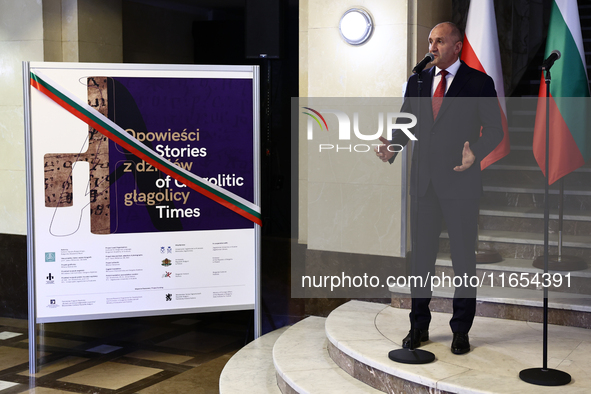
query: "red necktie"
437, 99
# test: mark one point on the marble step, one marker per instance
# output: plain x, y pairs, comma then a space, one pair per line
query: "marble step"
518, 159
521, 146
507, 272
520, 195
521, 158
514, 303
361, 334
533, 200
513, 186
514, 129
521, 137
303, 364
526, 245
573, 182
532, 220
251, 369
534, 179
521, 237
533, 213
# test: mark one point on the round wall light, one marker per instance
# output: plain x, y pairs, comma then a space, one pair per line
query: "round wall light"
356, 26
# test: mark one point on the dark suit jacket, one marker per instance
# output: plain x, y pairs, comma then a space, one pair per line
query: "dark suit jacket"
470, 105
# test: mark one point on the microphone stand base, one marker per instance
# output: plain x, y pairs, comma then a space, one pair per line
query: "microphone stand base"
545, 377
408, 356
561, 263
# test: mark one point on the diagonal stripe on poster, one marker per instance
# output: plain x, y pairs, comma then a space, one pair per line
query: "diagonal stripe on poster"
105, 126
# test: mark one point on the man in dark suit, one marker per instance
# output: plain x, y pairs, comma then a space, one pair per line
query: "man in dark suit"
459, 124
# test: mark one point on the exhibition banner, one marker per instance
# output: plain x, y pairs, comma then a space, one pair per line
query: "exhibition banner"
144, 189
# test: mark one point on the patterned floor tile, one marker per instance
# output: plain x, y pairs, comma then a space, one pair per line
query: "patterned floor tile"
7, 335
6, 385
110, 375
103, 349
11, 357
55, 366
201, 380
160, 357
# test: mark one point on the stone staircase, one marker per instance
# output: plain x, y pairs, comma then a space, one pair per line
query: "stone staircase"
512, 209
513, 204
348, 353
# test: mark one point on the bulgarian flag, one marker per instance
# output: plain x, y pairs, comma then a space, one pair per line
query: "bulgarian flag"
480, 50
570, 138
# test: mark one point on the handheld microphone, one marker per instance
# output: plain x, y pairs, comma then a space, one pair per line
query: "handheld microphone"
421, 65
549, 62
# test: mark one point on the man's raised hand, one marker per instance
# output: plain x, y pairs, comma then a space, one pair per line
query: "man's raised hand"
468, 158
382, 151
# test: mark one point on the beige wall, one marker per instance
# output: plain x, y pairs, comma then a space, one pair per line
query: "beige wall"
82, 31
48, 30
355, 205
21, 38
92, 31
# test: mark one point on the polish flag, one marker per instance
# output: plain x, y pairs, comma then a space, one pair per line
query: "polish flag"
480, 50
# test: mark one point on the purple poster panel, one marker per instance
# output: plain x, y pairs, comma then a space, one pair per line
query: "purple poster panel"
204, 125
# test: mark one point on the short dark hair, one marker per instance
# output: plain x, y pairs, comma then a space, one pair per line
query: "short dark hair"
455, 30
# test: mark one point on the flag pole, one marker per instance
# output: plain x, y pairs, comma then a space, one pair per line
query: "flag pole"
546, 376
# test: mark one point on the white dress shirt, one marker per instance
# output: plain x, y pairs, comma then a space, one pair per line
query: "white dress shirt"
451, 70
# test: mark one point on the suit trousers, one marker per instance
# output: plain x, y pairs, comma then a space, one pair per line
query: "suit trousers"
461, 219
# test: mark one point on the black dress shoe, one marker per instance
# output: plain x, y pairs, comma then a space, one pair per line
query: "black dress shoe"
460, 343
418, 337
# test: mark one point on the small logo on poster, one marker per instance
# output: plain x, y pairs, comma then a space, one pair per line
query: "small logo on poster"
169, 297
169, 250
166, 262
162, 249
50, 279
167, 274
52, 303
50, 257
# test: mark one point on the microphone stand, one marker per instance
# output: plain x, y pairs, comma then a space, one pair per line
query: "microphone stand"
412, 355
546, 376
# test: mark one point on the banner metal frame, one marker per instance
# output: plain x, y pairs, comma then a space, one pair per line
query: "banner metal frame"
31, 263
